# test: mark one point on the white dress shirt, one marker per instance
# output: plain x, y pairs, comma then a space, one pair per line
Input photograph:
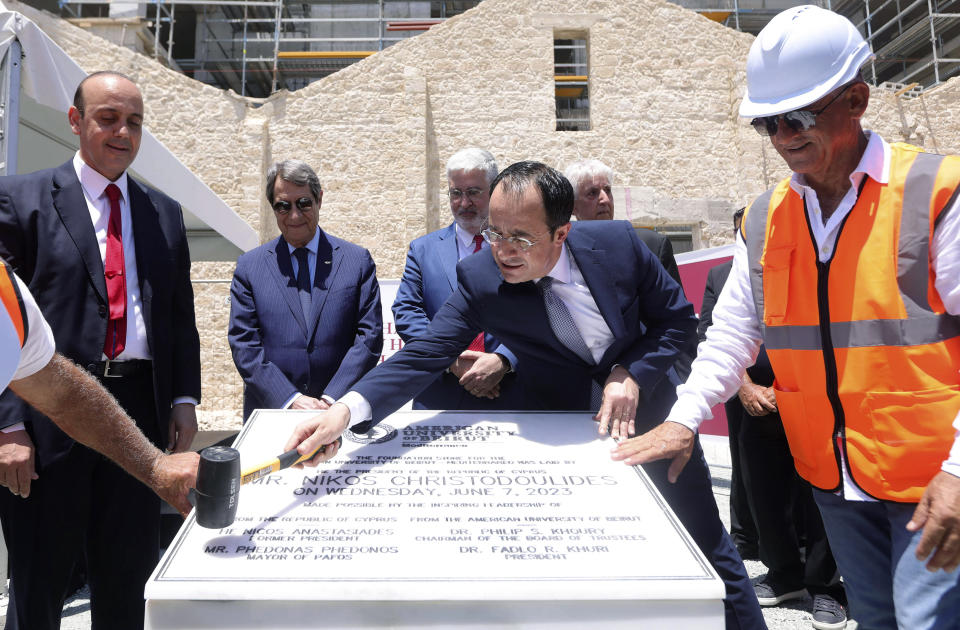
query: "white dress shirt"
734, 339
572, 290
94, 186
465, 244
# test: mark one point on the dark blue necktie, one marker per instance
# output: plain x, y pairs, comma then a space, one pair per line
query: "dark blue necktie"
303, 280
566, 331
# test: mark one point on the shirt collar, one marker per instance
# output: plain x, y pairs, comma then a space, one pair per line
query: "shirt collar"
561, 270
93, 182
465, 238
875, 164
312, 246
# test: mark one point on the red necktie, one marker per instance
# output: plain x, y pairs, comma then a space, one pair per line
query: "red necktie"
115, 275
477, 344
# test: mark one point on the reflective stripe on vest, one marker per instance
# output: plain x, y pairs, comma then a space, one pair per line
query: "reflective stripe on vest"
861, 345
12, 302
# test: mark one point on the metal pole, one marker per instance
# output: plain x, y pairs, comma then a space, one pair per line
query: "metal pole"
933, 43
243, 57
736, 13
869, 25
156, 33
11, 126
276, 45
173, 7
380, 27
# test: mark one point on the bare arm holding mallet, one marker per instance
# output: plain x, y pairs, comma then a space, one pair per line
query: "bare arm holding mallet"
80, 406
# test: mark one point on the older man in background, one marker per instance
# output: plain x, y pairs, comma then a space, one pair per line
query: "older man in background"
849, 273
481, 376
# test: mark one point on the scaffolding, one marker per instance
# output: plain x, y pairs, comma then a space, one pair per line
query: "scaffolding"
256, 47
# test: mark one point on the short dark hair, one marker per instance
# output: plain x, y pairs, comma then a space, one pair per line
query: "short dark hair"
738, 215
78, 94
556, 193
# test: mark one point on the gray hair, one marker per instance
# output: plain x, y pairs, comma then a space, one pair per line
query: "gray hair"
582, 169
296, 172
473, 159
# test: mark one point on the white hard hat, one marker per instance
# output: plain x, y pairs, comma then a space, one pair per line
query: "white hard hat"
800, 56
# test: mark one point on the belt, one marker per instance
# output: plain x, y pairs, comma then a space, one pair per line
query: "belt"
115, 369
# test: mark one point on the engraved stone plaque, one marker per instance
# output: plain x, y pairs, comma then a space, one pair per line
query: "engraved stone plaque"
440, 519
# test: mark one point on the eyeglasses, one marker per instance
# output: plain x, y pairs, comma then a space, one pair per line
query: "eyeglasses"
797, 120
303, 204
472, 194
496, 238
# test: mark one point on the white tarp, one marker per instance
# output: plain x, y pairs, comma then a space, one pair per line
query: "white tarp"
50, 76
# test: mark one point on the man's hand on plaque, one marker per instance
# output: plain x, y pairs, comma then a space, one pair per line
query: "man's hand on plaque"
322, 429
619, 407
482, 378
668, 440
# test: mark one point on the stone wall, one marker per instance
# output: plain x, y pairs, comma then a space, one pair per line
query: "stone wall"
665, 85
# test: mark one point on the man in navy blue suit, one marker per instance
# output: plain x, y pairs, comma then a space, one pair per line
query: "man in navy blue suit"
305, 321
480, 378
627, 320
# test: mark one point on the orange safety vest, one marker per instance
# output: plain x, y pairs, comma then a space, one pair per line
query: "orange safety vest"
865, 356
12, 302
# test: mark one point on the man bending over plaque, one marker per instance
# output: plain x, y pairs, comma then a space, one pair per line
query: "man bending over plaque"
598, 319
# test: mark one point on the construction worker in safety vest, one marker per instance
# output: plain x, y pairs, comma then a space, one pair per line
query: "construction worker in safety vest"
849, 272
31, 367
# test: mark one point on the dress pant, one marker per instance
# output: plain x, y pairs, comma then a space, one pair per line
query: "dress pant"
783, 509
742, 528
691, 498
85, 504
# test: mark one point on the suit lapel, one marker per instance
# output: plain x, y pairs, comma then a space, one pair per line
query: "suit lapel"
282, 271
590, 260
71, 205
146, 232
449, 254
328, 263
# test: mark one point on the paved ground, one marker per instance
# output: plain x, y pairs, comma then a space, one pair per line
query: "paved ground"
792, 616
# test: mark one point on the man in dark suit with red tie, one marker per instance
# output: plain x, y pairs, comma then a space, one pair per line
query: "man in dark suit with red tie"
106, 259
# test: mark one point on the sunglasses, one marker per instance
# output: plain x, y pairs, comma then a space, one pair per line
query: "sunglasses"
797, 120
303, 204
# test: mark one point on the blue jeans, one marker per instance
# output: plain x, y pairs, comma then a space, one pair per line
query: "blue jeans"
887, 587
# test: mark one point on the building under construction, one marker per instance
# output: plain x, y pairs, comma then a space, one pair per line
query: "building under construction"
256, 47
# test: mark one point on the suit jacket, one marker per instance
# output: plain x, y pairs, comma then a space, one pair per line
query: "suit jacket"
646, 311
47, 236
429, 278
761, 372
277, 351
662, 248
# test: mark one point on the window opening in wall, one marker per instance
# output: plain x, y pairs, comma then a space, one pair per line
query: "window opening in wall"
681, 236
570, 83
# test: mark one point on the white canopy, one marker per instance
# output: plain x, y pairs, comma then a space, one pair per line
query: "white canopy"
49, 77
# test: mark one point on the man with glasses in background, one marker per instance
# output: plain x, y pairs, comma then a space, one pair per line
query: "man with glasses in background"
849, 273
599, 321
480, 378
305, 320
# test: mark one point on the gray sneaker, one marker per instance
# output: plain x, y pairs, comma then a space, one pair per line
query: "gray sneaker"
770, 592
828, 613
